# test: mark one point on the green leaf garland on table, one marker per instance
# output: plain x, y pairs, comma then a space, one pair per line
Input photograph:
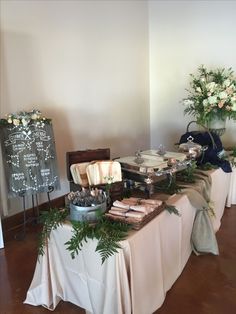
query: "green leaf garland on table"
172, 209
108, 233
188, 174
50, 220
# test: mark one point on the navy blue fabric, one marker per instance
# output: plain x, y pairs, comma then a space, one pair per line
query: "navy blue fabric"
211, 154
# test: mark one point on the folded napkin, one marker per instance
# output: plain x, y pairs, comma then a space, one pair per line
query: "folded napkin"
119, 209
121, 205
131, 200
141, 208
151, 202
125, 213
137, 215
137, 201
118, 212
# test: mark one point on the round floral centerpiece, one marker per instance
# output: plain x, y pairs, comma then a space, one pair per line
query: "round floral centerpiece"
212, 97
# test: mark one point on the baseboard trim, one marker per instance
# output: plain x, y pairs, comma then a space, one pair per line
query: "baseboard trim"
11, 224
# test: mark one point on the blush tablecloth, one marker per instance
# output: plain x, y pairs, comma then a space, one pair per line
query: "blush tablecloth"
136, 279
1, 236
231, 199
219, 191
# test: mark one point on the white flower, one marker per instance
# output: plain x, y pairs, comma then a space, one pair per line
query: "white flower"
229, 90
9, 120
205, 102
212, 92
25, 122
226, 83
222, 95
212, 99
34, 116
233, 108
16, 122
211, 86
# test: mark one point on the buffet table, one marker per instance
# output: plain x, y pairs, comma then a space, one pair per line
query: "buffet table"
136, 279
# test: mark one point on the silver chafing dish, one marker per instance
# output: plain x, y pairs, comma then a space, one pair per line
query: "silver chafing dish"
191, 149
149, 168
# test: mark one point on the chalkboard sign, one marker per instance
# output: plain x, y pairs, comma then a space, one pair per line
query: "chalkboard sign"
29, 157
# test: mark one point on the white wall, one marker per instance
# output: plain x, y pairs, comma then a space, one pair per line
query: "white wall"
184, 35
85, 65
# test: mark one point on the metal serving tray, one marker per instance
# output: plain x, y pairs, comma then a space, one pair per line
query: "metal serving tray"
152, 170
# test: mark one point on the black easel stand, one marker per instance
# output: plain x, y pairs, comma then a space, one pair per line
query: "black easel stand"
50, 190
21, 234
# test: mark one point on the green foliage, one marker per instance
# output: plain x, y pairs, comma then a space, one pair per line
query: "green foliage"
50, 220
81, 231
234, 152
207, 166
172, 209
188, 174
108, 233
168, 186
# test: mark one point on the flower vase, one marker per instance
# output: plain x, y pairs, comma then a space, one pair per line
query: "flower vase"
217, 125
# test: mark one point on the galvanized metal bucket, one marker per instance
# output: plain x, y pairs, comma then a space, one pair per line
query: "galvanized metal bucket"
79, 213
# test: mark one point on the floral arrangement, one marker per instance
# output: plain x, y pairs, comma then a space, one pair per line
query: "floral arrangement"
24, 118
212, 94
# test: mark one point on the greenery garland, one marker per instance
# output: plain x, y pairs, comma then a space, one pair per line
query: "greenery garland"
188, 174
168, 186
108, 233
50, 220
207, 166
234, 152
172, 209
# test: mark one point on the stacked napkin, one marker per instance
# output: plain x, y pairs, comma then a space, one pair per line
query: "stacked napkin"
133, 207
